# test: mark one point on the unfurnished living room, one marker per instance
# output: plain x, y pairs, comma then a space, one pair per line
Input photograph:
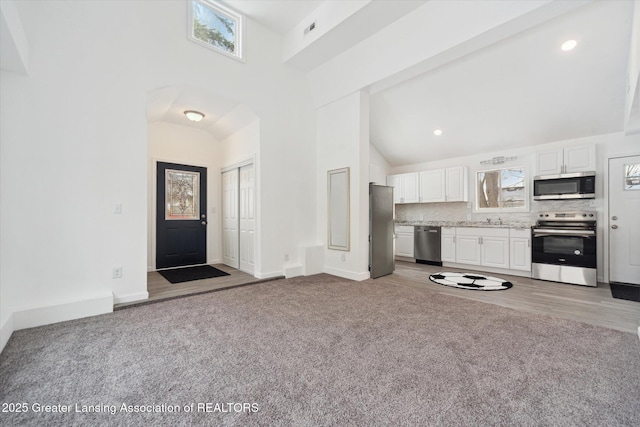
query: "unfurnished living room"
320, 212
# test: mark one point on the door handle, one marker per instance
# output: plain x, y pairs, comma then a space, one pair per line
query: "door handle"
614, 226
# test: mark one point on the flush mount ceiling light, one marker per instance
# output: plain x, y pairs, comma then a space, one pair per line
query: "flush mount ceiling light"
194, 116
568, 45
437, 132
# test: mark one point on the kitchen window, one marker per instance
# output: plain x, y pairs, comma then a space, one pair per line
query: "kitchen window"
501, 190
216, 27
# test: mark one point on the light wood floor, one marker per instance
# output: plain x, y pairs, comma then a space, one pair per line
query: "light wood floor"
594, 306
160, 288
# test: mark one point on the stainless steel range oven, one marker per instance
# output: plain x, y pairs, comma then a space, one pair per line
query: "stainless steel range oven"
564, 247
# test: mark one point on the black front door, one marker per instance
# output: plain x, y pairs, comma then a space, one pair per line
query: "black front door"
181, 225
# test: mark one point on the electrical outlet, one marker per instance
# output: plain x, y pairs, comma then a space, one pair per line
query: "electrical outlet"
117, 208
286, 257
116, 273
343, 257
468, 217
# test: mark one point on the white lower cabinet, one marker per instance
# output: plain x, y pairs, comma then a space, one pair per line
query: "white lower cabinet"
495, 249
404, 240
447, 246
467, 247
520, 249
483, 246
490, 247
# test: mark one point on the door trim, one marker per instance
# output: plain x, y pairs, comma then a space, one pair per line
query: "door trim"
250, 160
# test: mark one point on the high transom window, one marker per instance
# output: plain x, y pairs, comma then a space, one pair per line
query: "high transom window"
216, 27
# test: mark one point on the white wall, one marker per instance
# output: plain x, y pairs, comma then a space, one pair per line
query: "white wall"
379, 167
343, 141
74, 143
173, 143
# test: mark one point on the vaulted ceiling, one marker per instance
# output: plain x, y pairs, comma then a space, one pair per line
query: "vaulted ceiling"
519, 92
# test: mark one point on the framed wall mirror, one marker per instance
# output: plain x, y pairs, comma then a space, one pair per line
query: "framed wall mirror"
338, 209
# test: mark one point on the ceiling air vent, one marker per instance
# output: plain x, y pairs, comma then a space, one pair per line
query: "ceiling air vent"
310, 28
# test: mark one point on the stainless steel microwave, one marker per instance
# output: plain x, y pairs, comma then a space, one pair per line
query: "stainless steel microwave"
580, 185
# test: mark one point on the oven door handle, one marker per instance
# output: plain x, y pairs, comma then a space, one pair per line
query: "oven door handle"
541, 232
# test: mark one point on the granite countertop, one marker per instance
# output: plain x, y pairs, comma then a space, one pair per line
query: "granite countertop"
483, 224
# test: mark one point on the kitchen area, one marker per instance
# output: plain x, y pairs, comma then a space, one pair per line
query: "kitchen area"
532, 216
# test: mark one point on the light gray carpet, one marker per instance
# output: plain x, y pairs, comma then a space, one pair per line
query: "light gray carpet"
325, 351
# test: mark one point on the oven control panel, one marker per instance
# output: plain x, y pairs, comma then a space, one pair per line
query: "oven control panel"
567, 216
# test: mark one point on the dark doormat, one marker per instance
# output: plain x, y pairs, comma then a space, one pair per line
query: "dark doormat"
187, 274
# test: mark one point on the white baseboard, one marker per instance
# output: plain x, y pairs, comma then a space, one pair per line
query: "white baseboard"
138, 296
292, 271
31, 317
7, 329
268, 275
347, 274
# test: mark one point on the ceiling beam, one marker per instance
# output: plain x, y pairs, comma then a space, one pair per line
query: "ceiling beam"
14, 48
632, 101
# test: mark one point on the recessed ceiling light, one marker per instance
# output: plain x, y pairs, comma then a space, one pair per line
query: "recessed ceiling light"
568, 45
194, 116
437, 132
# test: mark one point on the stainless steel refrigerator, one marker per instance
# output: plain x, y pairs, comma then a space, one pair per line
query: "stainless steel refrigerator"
381, 261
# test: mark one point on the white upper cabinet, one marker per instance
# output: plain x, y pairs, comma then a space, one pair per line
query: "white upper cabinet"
580, 159
457, 186
395, 181
405, 187
444, 185
432, 186
568, 160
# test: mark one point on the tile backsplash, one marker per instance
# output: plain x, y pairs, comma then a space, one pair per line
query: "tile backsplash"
462, 211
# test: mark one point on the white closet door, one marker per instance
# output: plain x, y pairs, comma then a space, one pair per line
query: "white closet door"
230, 218
247, 218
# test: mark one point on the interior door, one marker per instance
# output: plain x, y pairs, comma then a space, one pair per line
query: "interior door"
247, 218
181, 222
230, 219
624, 227
380, 230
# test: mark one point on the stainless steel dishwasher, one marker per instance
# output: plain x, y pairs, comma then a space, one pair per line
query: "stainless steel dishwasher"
426, 245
